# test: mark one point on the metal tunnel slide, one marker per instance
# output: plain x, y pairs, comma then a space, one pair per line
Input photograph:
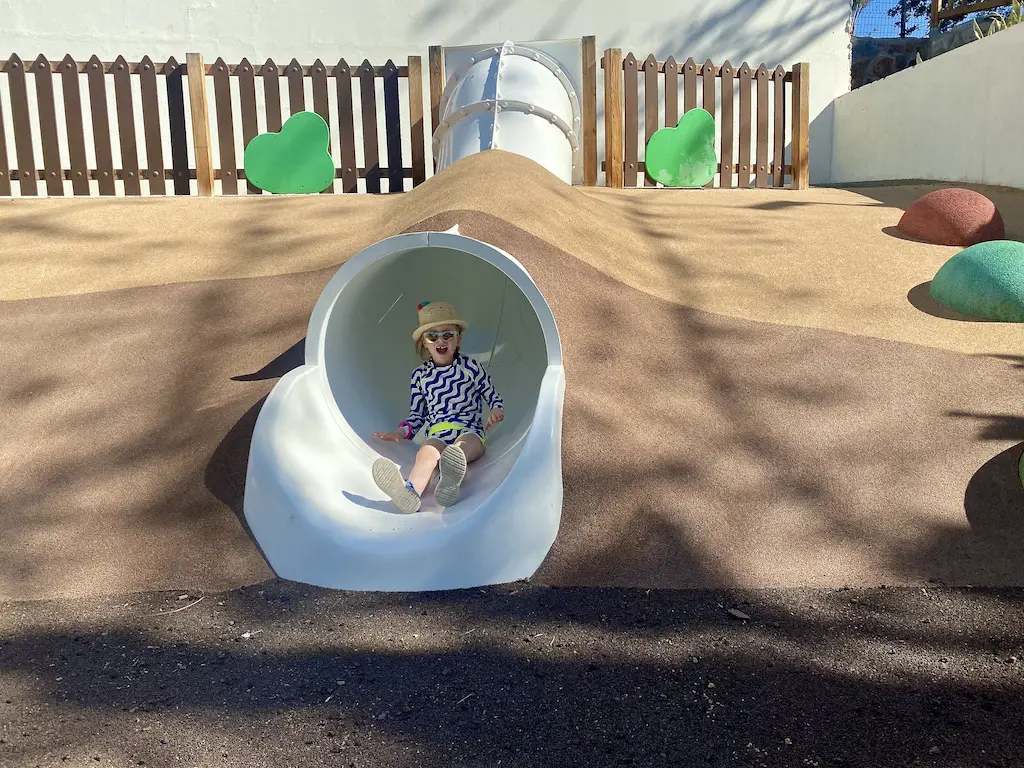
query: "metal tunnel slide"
517, 98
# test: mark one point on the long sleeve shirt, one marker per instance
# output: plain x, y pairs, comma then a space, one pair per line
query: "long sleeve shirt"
452, 393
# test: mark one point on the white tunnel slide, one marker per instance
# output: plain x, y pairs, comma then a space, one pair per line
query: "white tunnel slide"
517, 98
310, 500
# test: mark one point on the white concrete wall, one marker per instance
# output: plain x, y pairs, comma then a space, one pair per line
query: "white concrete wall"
769, 31
957, 117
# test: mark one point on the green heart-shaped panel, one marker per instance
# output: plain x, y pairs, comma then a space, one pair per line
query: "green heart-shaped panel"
684, 156
294, 161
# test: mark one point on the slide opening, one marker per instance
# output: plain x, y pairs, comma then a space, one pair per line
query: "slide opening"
368, 353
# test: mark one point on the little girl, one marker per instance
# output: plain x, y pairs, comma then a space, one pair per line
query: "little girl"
448, 391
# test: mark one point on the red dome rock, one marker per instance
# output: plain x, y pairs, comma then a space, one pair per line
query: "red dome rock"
953, 216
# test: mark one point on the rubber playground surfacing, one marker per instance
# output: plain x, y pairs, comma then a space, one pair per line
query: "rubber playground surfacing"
759, 391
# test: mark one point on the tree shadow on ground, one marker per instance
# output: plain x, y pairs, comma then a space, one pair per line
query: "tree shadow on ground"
528, 676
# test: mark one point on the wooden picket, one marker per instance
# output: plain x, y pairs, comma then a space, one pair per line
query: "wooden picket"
126, 126
48, 127
15, 69
368, 107
728, 109
296, 88
779, 131
246, 74
761, 171
101, 125
5, 178
743, 169
630, 111
671, 93
225, 128
689, 85
174, 78
346, 128
758, 159
151, 127
707, 75
271, 96
321, 105
393, 127
650, 104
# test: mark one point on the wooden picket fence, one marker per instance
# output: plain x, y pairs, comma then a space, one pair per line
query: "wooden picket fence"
149, 99
718, 84
165, 106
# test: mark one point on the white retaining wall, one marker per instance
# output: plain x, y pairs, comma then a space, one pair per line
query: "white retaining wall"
957, 117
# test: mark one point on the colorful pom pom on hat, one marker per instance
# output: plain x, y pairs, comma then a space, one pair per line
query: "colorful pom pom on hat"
435, 313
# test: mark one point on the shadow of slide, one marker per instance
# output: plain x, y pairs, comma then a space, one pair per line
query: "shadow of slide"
922, 299
287, 361
994, 501
226, 470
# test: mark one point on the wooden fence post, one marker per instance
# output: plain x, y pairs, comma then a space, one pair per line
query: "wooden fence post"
435, 61
419, 165
589, 111
800, 142
936, 7
613, 117
196, 70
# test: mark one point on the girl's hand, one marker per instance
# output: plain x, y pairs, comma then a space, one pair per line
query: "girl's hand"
493, 418
391, 437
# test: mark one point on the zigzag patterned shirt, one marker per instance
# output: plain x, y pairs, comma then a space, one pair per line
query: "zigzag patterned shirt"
452, 393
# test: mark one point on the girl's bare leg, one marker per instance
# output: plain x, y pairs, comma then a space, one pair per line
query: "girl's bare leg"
426, 462
453, 468
471, 446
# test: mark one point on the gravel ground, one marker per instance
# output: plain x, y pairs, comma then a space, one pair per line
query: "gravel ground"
281, 674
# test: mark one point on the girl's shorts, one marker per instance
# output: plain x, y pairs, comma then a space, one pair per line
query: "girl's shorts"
449, 431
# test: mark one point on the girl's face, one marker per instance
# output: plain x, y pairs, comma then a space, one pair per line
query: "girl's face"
442, 342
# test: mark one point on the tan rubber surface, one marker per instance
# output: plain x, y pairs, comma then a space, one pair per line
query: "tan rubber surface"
817, 258
747, 445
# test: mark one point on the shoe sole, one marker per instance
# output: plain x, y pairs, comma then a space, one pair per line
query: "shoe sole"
453, 472
389, 479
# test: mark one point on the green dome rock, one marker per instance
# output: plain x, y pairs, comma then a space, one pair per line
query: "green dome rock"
985, 281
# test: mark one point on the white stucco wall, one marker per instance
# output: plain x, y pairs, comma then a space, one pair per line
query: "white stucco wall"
769, 31
956, 117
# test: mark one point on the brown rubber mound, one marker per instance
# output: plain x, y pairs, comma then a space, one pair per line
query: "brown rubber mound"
953, 216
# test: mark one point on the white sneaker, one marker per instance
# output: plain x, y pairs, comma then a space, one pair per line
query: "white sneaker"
453, 472
388, 478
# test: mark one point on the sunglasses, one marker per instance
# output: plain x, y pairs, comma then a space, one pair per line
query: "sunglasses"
432, 337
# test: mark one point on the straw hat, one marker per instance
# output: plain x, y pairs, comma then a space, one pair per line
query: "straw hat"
435, 313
